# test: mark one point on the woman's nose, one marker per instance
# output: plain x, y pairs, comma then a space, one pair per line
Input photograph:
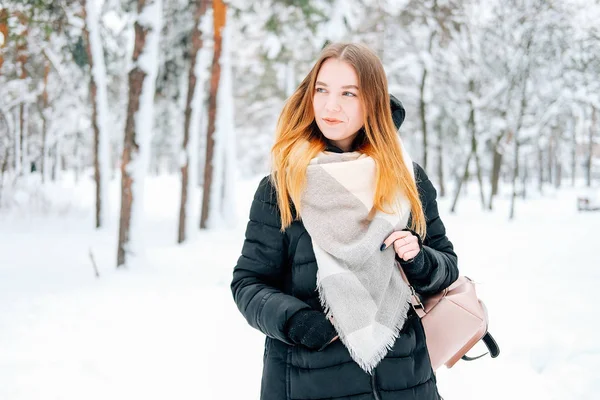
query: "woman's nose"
332, 104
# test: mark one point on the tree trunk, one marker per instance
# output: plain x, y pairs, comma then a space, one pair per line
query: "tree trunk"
550, 160
460, 183
201, 7
93, 96
590, 159
541, 176
440, 166
77, 155
480, 180
558, 179
4, 166
573, 127
54, 174
97, 169
557, 159
423, 113
3, 169
23, 136
219, 15
3, 34
473, 128
517, 144
99, 101
16, 143
496, 165
497, 158
515, 175
423, 105
133, 136
525, 168
226, 133
43, 166
21, 52
495, 178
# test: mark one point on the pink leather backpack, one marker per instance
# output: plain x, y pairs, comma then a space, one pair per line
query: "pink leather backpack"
454, 321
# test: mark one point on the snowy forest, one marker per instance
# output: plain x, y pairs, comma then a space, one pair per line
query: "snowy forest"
109, 106
501, 92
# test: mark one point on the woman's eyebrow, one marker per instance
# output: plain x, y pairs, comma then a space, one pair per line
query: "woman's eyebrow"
343, 87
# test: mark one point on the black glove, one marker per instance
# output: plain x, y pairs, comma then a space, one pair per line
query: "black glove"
311, 329
414, 266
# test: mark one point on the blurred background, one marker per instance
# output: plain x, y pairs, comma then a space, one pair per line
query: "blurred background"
133, 135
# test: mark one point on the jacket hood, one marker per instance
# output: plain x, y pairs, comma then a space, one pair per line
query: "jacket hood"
398, 112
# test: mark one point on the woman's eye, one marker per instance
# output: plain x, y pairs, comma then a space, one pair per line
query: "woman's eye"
349, 94
320, 90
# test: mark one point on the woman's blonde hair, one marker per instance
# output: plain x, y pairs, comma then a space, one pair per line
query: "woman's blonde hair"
298, 139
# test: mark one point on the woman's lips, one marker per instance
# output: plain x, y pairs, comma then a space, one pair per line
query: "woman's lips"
332, 121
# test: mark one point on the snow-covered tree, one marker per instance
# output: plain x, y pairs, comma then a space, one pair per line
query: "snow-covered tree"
139, 125
100, 112
213, 160
193, 110
496, 92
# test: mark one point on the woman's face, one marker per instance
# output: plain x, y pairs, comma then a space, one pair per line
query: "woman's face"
337, 103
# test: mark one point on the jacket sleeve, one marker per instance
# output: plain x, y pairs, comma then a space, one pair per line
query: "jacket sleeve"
436, 266
258, 275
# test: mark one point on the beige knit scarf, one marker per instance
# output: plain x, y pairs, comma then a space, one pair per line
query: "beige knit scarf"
359, 285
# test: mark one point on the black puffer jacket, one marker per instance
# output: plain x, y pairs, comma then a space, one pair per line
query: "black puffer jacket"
275, 279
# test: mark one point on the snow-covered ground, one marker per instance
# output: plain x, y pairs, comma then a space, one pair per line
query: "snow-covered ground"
167, 327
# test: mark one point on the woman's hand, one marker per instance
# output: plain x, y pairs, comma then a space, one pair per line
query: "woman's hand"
405, 244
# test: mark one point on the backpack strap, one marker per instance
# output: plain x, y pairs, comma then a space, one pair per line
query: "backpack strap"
492, 346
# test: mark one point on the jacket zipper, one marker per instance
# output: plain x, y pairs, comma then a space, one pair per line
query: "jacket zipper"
374, 386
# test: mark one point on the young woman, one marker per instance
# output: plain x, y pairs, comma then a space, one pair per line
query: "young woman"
342, 211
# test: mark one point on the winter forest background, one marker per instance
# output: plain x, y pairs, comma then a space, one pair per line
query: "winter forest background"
133, 135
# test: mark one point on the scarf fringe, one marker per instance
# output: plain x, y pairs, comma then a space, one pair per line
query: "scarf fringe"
366, 365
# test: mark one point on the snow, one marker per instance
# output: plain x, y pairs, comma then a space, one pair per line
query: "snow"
168, 326
290, 79
335, 28
273, 46
113, 21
